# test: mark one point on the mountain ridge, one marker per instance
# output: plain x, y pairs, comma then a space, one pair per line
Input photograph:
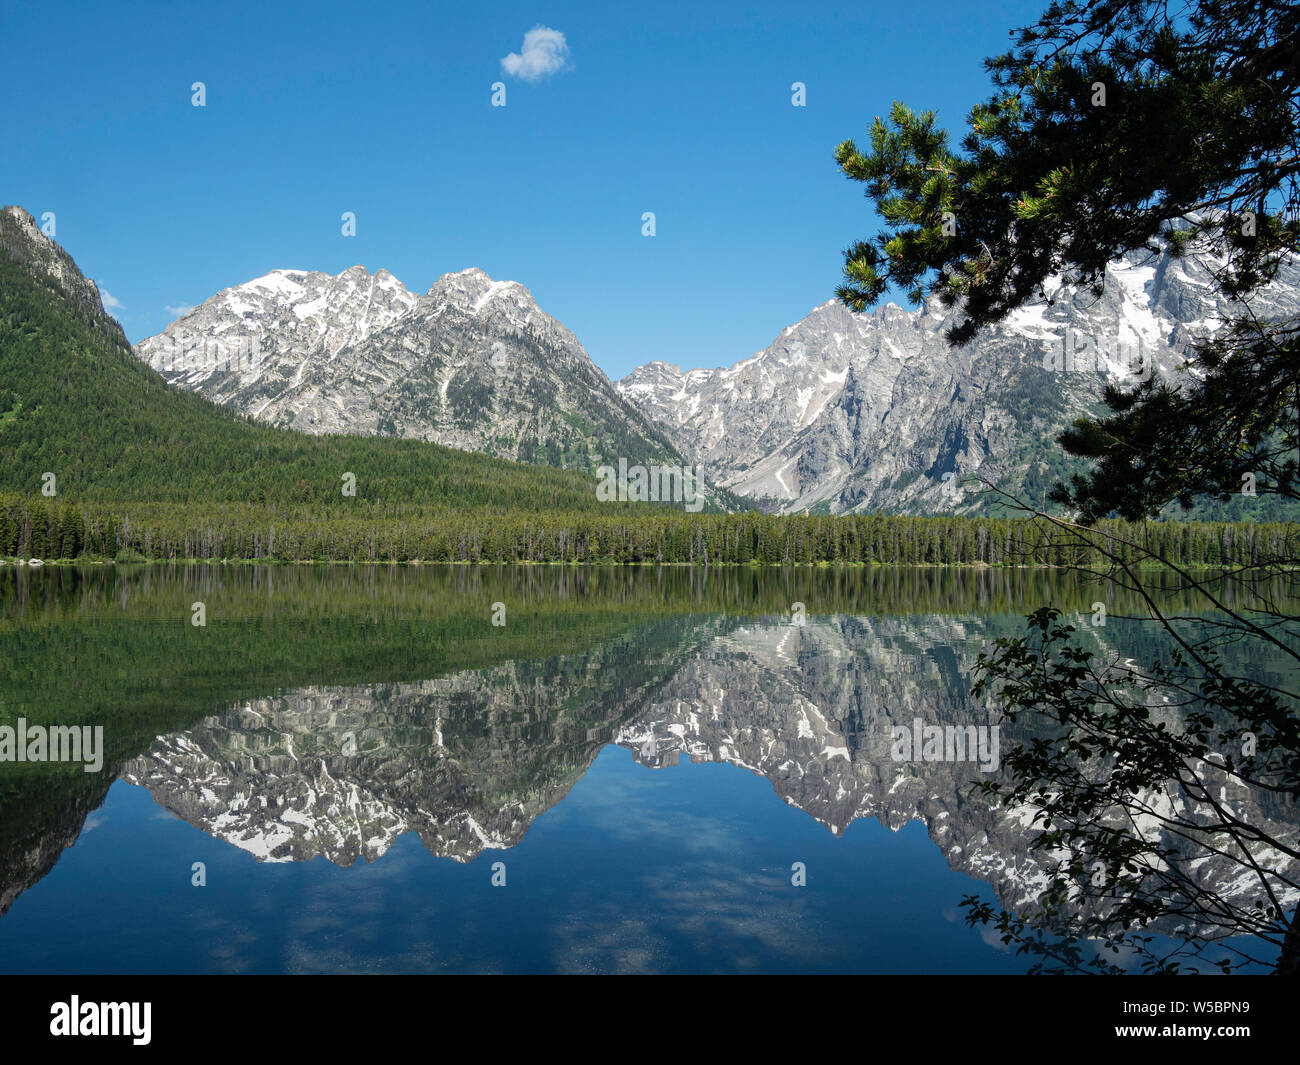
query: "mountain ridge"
473, 363
76, 402
843, 412
876, 411
44, 258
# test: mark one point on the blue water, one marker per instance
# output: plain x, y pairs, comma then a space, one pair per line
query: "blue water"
650, 755
683, 869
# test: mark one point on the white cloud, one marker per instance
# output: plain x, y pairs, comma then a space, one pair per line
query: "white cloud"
180, 310
545, 52
110, 302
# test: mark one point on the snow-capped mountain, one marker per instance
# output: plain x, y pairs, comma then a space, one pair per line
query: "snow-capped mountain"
842, 412
264, 337
473, 363
729, 419
849, 412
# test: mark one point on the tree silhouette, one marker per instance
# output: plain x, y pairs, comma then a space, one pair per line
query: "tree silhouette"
1117, 126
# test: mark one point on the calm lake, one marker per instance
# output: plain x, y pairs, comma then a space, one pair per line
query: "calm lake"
373, 769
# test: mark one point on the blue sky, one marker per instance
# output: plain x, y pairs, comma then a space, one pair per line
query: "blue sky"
385, 110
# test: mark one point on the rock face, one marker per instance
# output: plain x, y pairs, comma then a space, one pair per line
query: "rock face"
847, 412
473, 364
731, 419
44, 258
842, 413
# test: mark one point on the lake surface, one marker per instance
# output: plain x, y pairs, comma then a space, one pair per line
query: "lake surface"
366, 769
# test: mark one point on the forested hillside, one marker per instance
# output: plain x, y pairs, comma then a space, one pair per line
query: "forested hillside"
75, 402
143, 471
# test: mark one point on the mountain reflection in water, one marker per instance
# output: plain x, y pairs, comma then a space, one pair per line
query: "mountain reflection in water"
344, 713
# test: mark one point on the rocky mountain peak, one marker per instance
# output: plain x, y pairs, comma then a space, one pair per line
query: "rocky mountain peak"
473, 363
21, 236
474, 292
22, 219
878, 411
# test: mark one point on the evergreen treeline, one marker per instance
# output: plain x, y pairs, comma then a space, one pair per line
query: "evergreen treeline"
54, 529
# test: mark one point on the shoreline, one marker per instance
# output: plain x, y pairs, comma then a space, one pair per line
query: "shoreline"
75, 563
